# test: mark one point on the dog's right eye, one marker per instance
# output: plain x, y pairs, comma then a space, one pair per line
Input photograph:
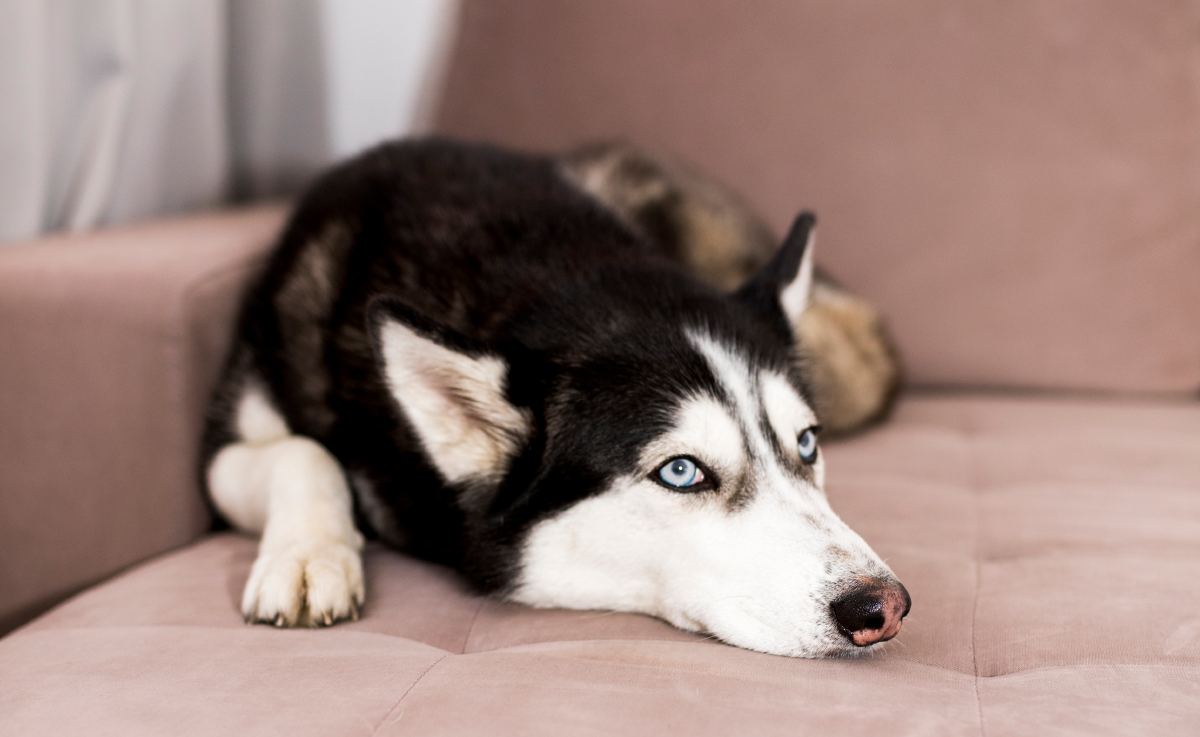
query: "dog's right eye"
681, 473
807, 445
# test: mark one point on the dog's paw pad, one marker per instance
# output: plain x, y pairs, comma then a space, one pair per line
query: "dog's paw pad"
307, 584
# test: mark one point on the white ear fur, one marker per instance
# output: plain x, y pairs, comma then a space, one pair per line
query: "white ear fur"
455, 402
794, 297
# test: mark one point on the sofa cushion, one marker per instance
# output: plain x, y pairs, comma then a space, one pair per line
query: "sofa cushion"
1051, 549
1014, 184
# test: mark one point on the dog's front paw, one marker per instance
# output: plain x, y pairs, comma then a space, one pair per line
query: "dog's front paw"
305, 584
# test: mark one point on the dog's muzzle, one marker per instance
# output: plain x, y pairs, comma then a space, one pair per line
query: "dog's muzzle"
872, 611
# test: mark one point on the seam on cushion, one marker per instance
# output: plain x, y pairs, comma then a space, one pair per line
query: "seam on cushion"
206, 627
1185, 667
547, 643
579, 640
407, 691
972, 435
518, 647
463, 650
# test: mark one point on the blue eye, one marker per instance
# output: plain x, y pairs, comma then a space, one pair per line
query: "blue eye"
680, 473
807, 445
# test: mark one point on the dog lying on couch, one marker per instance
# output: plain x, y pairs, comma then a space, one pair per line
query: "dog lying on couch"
532, 369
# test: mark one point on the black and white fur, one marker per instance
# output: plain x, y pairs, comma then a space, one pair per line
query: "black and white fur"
459, 351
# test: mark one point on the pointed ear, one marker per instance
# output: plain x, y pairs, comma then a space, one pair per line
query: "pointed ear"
451, 391
784, 284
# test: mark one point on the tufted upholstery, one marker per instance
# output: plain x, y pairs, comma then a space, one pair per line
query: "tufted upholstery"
1051, 549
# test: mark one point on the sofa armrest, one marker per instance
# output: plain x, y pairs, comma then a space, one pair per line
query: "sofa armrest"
109, 346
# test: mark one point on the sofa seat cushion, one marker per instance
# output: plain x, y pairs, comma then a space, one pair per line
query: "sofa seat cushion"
1052, 549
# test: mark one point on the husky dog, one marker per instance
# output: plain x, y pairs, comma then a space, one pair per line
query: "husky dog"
464, 352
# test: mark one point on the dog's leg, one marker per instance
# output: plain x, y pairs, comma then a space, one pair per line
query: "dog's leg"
293, 491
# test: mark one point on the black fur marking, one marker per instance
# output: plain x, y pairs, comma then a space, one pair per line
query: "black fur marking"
763, 289
488, 252
786, 461
786, 263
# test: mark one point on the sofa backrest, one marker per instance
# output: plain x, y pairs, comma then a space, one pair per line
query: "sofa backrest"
1016, 185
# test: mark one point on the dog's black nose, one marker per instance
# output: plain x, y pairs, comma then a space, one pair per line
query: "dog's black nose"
872, 611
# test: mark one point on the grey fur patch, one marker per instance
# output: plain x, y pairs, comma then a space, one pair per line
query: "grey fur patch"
696, 220
304, 302
744, 488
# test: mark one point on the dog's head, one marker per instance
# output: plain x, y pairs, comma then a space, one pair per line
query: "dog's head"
640, 443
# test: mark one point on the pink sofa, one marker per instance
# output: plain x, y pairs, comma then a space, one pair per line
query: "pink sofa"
1017, 186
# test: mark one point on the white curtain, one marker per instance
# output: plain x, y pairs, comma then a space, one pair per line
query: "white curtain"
113, 110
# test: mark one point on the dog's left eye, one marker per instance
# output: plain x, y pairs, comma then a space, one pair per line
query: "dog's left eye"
680, 473
807, 445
